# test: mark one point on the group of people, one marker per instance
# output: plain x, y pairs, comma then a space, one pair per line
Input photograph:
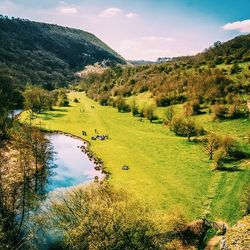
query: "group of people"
99, 137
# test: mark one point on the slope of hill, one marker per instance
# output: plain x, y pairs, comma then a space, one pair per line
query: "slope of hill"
234, 50
214, 76
48, 54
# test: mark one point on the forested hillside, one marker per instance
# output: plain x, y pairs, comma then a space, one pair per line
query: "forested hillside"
234, 50
218, 76
47, 54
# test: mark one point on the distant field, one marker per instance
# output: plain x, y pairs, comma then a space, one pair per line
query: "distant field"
165, 170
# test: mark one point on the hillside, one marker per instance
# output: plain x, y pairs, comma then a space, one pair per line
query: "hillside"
48, 54
215, 76
234, 50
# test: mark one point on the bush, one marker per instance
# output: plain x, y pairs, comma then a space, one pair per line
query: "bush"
163, 101
169, 114
64, 102
192, 108
219, 111
149, 112
235, 69
233, 111
134, 108
76, 100
122, 106
104, 101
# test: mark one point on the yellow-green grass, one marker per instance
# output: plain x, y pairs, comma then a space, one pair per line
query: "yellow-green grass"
166, 171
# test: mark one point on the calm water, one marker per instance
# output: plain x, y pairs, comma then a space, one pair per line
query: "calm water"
73, 167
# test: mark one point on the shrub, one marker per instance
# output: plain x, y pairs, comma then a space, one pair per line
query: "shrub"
122, 106
76, 100
149, 112
169, 116
235, 69
163, 101
104, 101
64, 102
135, 110
134, 107
219, 111
233, 111
192, 108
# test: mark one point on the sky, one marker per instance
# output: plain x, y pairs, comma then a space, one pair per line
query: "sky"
143, 29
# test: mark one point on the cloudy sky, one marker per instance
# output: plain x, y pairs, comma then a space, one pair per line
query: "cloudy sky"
143, 29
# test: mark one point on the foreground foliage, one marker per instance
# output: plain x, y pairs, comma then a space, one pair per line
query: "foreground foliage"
24, 168
101, 217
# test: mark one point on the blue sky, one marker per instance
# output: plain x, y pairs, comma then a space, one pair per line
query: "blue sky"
143, 29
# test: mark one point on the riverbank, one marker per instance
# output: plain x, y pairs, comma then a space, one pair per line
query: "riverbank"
85, 148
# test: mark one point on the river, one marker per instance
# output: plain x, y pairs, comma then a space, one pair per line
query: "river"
73, 167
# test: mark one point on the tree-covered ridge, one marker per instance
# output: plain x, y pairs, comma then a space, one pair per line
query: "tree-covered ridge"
211, 77
48, 54
234, 50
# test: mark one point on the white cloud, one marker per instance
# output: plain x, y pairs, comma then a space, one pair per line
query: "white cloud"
157, 38
131, 15
68, 10
242, 26
110, 12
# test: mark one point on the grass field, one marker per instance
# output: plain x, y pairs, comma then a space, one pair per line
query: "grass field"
166, 171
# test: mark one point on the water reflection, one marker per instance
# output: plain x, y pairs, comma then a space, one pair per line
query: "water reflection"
73, 167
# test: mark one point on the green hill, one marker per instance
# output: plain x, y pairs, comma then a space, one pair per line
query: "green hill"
234, 50
214, 76
49, 54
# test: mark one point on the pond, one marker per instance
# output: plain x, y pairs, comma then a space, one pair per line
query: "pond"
72, 166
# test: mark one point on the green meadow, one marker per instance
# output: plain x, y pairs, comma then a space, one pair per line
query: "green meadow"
166, 171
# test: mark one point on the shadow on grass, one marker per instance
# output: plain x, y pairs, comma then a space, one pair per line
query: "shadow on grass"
158, 121
229, 169
52, 116
59, 110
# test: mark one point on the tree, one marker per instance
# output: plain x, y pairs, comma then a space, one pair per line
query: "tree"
186, 128
9, 97
212, 143
37, 99
218, 146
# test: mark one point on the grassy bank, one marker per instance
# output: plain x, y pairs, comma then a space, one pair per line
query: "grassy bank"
165, 170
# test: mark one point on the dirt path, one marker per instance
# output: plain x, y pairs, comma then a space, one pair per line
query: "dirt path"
212, 243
